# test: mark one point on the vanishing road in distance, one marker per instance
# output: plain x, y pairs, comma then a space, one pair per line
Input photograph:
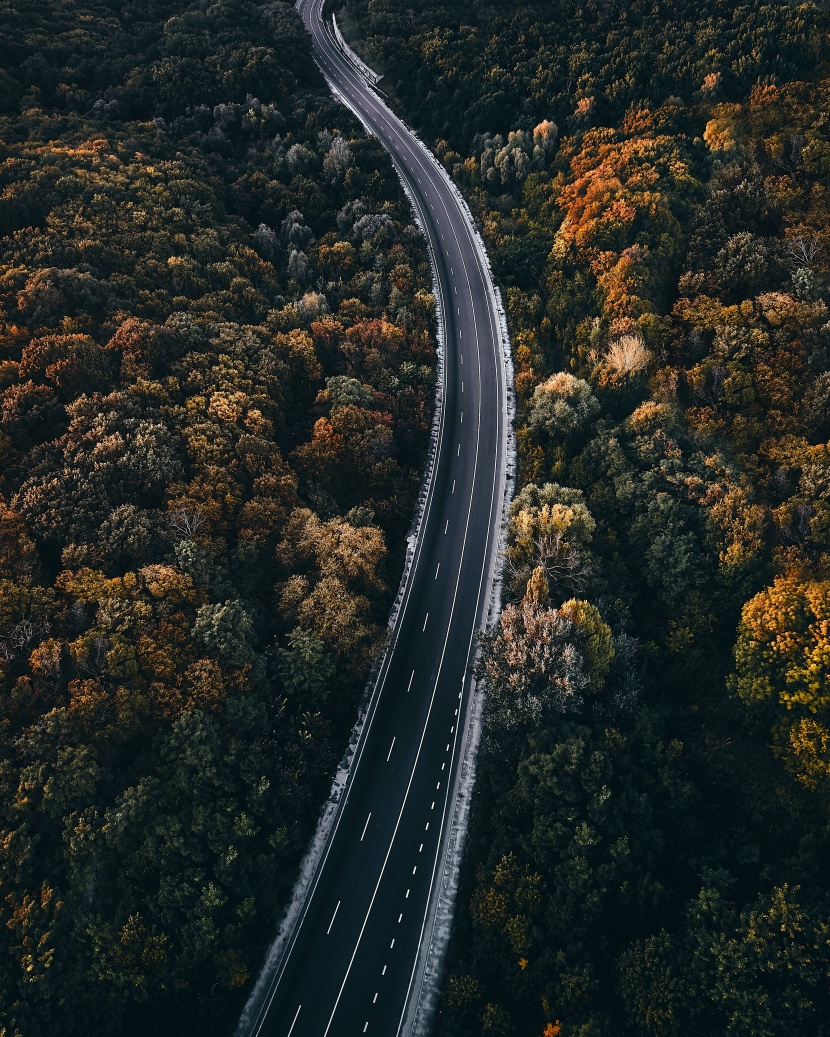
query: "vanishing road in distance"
351, 965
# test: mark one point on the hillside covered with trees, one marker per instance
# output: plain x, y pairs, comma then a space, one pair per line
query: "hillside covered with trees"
216, 384
650, 851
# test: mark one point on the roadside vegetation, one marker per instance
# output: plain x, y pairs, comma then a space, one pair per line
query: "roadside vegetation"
649, 851
216, 386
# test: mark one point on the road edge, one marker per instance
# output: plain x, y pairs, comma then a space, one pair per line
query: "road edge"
424, 994
326, 823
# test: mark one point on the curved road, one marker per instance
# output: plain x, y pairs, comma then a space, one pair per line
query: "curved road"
352, 965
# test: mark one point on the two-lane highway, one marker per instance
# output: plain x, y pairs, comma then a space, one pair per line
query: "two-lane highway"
349, 967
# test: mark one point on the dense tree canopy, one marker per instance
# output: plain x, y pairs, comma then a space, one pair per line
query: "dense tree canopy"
649, 852
216, 386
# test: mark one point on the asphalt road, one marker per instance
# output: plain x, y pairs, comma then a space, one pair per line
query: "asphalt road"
352, 963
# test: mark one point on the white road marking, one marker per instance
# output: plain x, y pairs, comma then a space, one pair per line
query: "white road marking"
366, 1026
420, 159
414, 869
295, 1021
448, 748
391, 747
436, 571
375, 998
462, 387
426, 829
421, 848
331, 923
391, 945
384, 971
452, 728
407, 895
400, 916
411, 676
366, 826
433, 805
453, 486
443, 765
458, 452
426, 620
462, 417
438, 786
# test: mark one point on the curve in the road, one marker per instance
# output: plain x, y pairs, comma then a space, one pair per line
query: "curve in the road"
358, 949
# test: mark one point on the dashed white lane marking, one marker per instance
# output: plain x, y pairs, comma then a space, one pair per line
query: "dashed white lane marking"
460, 333
407, 895
375, 998
462, 358
426, 620
443, 765
426, 829
433, 805
459, 310
391, 747
414, 869
384, 971
446, 527
453, 486
366, 1026
448, 748
462, 387
421, 848
411, 677
438, 786
366, 825
452, 728
458, 454
391, 945
462, 417
331, 923
436, 571
295, 1021
452, 271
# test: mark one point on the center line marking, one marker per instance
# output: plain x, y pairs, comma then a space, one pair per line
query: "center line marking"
411, 676
436, 571
366, 826
331, 923
425, 622
295, 1021
391, 747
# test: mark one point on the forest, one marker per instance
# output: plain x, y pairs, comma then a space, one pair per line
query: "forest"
650, 844
217, 378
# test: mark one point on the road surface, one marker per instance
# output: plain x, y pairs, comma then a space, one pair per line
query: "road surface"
351, 966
